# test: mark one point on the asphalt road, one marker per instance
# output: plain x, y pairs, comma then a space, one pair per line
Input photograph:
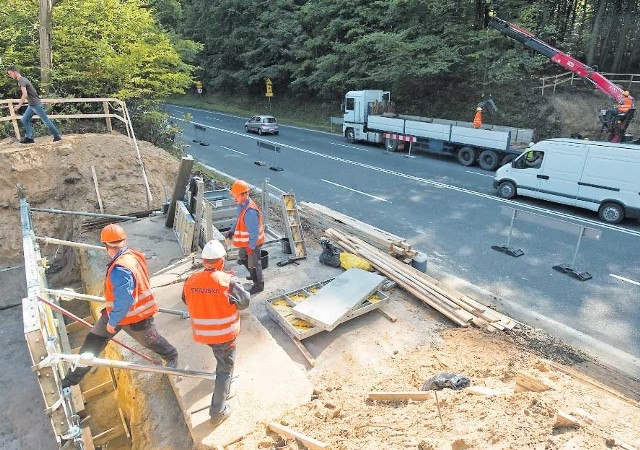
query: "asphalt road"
452, 214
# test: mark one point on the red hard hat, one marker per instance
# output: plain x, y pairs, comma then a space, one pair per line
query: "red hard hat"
239, 187
112, 233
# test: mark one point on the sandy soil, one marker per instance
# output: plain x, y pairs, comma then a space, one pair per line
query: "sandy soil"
340, 415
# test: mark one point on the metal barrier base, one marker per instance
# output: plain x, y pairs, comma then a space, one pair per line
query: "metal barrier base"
260, 163
515, 252
573, 273
276, 168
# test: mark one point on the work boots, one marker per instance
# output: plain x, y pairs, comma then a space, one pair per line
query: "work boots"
258, 281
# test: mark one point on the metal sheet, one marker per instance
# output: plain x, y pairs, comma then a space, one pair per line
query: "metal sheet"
338, 298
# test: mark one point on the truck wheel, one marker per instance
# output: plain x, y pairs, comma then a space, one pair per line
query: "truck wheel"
466, 156
507, 190
507, 160
611, 212
488, 160
350, 135
391, 144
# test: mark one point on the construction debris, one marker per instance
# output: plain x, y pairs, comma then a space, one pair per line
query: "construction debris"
416, 396
564, 419
526, 382
324, 218
287, 432
458, 307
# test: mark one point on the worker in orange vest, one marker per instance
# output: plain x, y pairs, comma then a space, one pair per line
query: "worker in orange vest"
626, 104
129, 304
248, 234
477, 119
213, 298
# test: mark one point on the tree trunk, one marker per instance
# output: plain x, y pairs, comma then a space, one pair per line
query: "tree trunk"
627, 20
595, 32
45, 44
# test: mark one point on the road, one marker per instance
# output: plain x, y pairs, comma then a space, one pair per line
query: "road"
451, 213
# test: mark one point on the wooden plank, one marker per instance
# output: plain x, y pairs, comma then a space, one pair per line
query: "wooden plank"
416, 396
95, 184
390, 317
564, 419
309, 442
78, 326
483, 390
105, 106
100, 389
14, 120
526, 382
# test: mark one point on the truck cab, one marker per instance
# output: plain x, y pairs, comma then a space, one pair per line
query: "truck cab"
357, 107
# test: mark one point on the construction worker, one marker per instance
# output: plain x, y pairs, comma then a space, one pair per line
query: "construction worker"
130, 304
626, 104
213, 298
477, 119
29, 94
248, 234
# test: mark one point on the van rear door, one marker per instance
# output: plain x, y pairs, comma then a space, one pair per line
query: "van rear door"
561, 171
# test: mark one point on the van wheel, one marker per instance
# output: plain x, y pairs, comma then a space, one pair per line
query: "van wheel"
507, 190
611, 213
488, 160
350, 135
466, 156
246, 128
507, 160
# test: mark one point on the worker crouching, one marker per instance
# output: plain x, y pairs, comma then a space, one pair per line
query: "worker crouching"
213, 298
248, 234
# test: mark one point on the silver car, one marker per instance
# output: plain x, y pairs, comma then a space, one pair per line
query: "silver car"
262, 125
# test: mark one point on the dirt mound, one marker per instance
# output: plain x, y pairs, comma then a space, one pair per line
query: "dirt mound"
58, 175
339, 414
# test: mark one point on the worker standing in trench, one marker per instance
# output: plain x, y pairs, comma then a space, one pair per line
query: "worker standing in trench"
130, 305
248, 234
213, 298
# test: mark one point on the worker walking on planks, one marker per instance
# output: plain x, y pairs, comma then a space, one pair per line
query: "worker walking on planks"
130, 304
213, 298
248, 234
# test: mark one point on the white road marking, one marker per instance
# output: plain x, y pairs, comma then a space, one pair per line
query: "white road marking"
437, 184
624, 279
349, 146
213, 118
478, 173
232, 150
355, 190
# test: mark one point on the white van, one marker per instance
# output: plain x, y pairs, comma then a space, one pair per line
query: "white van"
600, 176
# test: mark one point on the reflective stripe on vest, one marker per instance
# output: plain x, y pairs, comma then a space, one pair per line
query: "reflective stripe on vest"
213, 319
241, 234
144, 303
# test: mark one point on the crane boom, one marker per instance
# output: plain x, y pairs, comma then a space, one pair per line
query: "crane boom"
559, 57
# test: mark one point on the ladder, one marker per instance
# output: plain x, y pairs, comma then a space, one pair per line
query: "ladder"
293, 226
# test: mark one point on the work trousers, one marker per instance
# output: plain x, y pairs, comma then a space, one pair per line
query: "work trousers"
145, 332
28, 115
225, 355
253, 261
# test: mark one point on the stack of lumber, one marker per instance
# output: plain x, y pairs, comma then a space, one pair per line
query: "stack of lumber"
458, 307
324, 217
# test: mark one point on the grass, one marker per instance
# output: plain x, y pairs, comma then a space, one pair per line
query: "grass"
307, 113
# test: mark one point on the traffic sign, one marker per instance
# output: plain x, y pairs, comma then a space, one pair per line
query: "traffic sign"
269, 86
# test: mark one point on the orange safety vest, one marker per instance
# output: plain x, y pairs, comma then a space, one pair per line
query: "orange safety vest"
626, 105
241, 235
144, 303
477, 119
213, 319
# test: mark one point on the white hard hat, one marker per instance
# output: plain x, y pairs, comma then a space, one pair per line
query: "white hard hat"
213, 250
530, 144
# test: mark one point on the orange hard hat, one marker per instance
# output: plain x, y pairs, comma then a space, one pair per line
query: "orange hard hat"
239, 187
112, 233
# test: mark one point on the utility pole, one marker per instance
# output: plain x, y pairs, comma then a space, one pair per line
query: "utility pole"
45, 9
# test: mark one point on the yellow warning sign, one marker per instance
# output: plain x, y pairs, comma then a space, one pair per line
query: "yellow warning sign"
269, 86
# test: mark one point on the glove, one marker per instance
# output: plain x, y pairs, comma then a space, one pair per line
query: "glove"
228, 234
249, 251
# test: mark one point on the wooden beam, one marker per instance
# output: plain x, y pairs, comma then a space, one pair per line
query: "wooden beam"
416, 396
390, 317
105, 106
526, 382
564, 419
180, 188
102, 388
309, 442
95, 184
14, 120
